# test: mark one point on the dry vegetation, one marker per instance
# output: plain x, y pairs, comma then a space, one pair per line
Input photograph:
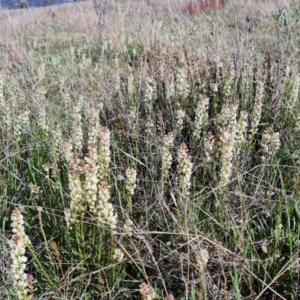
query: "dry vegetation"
154, 158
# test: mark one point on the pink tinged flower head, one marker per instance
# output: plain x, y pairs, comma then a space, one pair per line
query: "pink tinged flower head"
147, 291
170, 297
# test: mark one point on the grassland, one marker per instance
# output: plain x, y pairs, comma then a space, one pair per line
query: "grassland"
148, 153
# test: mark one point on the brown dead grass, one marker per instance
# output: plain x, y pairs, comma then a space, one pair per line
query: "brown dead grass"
138, 21
74, 17
67, 21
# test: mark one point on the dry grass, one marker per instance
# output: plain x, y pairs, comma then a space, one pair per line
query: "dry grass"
77, 21
237, 241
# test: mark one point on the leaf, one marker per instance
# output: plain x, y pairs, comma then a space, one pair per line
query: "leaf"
20, 66
53, 60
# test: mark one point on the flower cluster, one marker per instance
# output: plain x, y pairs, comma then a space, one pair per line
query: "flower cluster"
94, 131
41, 74
149, 89
214, 87
78, 205
247, 77
270, 143
128, 227
228, 129
18, 225
227, 142
67, 152
201, 116
274, 143
265, 141
42, 113
223, 117
130, 180
202, 259
46, 166
86, 174
66, 98
208, 146
232, 123
86, 191
185, 167
53, 168
149, 124
147, 291
256, 116
166, 155
180, 114
130, 86
34, 189
77, 134
57, 137
104, 153
170, 88
240, 132
90, 169
132, 118
106, 215
182, 84
118, 255
22, 282
21, 125
228, 83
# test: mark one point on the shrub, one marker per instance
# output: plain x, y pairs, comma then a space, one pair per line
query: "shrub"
195, 7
